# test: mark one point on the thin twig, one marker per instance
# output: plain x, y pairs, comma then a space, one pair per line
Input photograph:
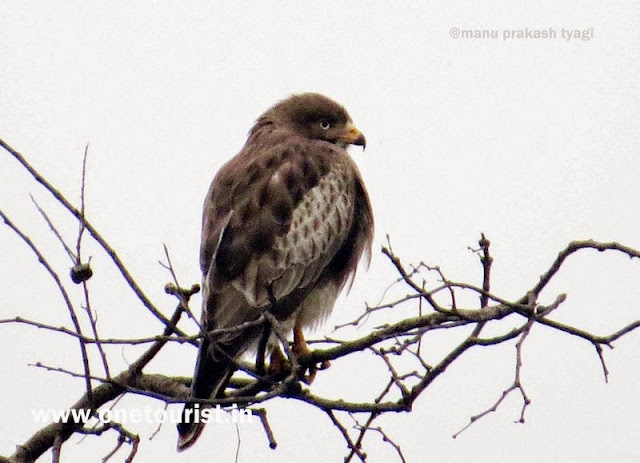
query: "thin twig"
172, 272
262, 414
65, 296
516, 385
54, 230
354, 448
81, 223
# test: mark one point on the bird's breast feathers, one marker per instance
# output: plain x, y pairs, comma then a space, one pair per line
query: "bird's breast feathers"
318, 226
291, 207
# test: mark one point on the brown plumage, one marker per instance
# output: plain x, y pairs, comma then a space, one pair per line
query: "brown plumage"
285, 223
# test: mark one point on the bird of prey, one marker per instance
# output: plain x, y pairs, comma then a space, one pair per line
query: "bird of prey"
285, 224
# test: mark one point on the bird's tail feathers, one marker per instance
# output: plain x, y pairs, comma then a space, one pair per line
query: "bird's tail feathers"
188, 431
210, 379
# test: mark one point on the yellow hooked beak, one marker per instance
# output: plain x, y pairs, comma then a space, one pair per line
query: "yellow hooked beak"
352, 136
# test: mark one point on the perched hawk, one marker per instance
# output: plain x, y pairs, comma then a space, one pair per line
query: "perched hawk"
284, 226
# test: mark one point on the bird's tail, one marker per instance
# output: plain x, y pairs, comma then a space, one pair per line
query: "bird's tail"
209, 381
190, 428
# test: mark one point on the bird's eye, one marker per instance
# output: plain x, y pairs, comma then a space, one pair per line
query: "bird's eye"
325, 125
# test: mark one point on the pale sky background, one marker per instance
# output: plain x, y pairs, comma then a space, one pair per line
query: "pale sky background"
532, 141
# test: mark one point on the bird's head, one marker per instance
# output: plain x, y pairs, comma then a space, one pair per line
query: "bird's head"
315, 116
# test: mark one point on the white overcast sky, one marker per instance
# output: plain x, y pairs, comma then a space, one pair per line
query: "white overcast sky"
532, 141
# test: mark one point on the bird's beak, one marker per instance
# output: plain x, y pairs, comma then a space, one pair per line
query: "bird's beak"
352, 136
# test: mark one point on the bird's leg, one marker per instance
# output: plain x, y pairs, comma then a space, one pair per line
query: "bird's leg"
262, 346
264, 340
300, 348
279, 366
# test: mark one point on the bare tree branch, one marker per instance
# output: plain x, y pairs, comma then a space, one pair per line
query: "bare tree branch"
396, 343
90, 228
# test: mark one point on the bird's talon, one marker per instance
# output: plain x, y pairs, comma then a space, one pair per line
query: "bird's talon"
279, 365
308, 379
324, 365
